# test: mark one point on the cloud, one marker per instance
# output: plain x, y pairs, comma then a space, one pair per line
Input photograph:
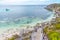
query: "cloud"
44, 0
13, 1
22, 2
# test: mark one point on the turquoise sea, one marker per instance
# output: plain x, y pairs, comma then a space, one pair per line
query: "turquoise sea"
17, 15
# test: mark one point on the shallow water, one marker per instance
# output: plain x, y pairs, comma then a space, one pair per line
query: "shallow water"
14, 16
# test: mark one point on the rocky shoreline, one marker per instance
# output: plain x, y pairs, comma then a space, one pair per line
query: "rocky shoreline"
40, 31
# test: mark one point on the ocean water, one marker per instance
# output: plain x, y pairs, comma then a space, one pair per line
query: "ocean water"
17, 15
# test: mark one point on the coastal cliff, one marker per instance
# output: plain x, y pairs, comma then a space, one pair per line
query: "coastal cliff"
52, 7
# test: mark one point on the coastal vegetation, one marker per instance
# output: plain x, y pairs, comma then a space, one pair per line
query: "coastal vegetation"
53, 35
52, 31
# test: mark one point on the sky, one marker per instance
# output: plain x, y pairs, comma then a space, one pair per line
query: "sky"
28, 2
